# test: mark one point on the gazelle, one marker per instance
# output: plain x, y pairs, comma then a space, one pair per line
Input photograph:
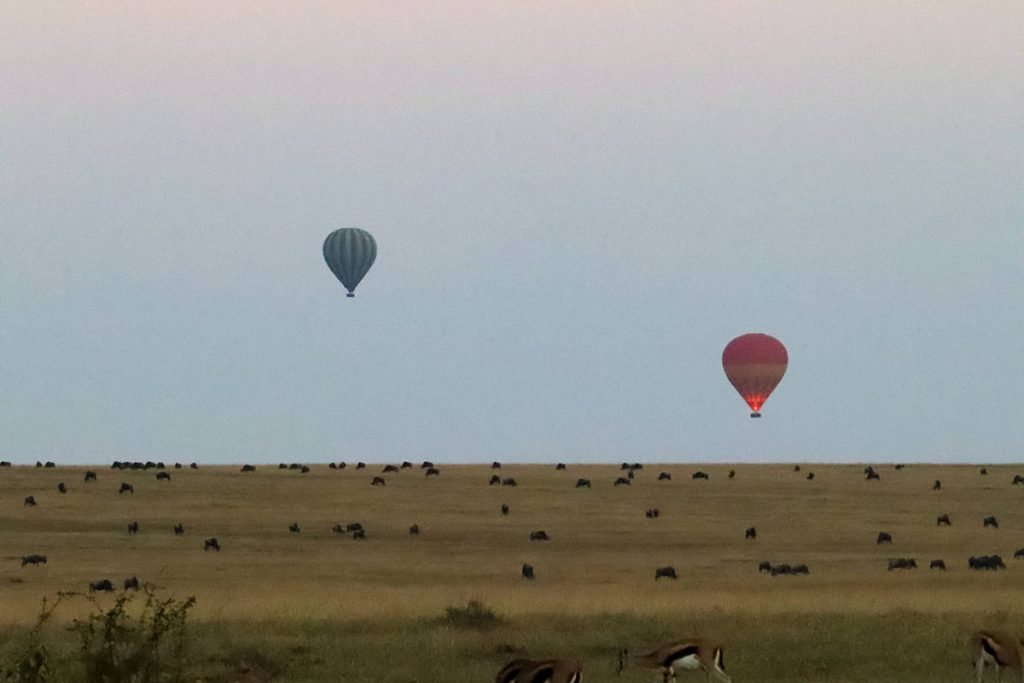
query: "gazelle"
543, 671
680, 655
999, 650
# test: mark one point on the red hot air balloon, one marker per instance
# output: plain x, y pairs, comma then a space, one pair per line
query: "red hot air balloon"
755, 364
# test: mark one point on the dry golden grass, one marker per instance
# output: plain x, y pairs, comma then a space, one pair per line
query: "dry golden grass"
601, 557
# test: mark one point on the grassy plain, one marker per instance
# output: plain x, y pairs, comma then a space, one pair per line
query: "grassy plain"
317, 606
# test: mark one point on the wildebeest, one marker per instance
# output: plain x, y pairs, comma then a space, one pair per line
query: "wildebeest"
665, 573
990, 521
937, 486
883, 537
30, 501
354, 526
406, 465
360, 465
414, 530
994, 562
801, 569
983, 472
751, 532
131, 583
810, 476
331, 466
33, 559
765, 566
495, 465
5, 463
338, 529
899, 466
294, 528
133, 527
359, 534
652, 513
282, 465
425, 464
295, 466
495, 480
211, 543
304, 469
630, 475
664, 476
1018, 480
49, 464
390, 468
193, 466
163, 476
625, 466
104, 585
902, 563
1019, 554
869, 469
781, 570
527, 571
539, 535
378, 481
622, 481
508, 482
248, 468
796, 468
126, 488
90, 476
872, 476
177, 465
699, 475
62, 488
937, 564
504, 508
433, 472
583, 483
943, 520
560, 466
39, 463
732, 474
179, 529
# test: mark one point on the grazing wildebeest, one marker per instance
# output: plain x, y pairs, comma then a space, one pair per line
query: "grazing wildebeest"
5, 463
664, 476
39, 463
872, 476
810, 476
211, 543
560, 466
342, 465
126, 488
30, 501
360, 465
433, 472
781, 570
665, 573
495, 465
943, 520
652, 513
133, 527
179, 529
495, 480
390, 468
732, 474
193, 466
354, 526
539, 535
504, 509
150, 465
90, 476
331, 466
131, 583
1018, 480
406, 465
990, 521
527, 571
33, 559
248, 468
425, 464
50, 464
295, 466
1019, 554
583, 483
984, 472
994, 562
636, 466
622, 481
177, 465
414, 530
899, 466
359, 534
751, 532
902, 563
883, 537
282, 466
294, 528
338, 529
304, 469
163, 476
937, 564
765, 566
630, 475
801, 569
625, 466
62, 488
796, 468
699, 475
378, 481
104, 585
937, 486
508, 482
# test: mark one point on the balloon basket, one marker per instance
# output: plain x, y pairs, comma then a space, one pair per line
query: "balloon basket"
755, 414
350, 295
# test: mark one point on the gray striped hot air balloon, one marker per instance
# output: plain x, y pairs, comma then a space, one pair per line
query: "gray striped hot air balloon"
349, 253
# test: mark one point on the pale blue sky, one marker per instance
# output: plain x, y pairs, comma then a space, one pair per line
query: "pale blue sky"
577, 205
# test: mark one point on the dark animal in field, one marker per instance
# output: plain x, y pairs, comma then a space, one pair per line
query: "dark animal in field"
294, 528
871, 476
150, 465
539, 535
508, 482
160, 466
338, 529
732, 474
425, 464
133, 527
295, 466
636, 466
117, 465
354, 526
993, 562
883, 537
414, 530
801, 569
527, 571
331, 466
902, 563
378, 481
179, 529
62, 488
700, 475
943, 520
630, 475
211, 543
560, 466
359, 534
937, 564
163, 476
983, 472
193, 466
126, 488
360, 465
937, 486
304, 470
104, 585
625, 466
495, 465
583, 483
622, 481
30, 501
652, 513
796, 468
5, 463
810, 476
899, 467
665, 573
390, 468
664, 476
248, 468
433, 472
90, 476
990, 522
131, 583
406, 465
751, 532
781, 570
1018, 480
869, 469
765, 566
33, 559
1019, 554
504, 509
342, 465
495, 480
177, 465
49, 464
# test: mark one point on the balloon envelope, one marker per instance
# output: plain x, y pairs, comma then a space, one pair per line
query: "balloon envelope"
349, 253
755, 364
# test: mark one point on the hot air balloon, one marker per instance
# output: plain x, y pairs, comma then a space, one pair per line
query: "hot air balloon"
755, 364
349, 253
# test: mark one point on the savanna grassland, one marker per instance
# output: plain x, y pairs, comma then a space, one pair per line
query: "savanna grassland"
318, 606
